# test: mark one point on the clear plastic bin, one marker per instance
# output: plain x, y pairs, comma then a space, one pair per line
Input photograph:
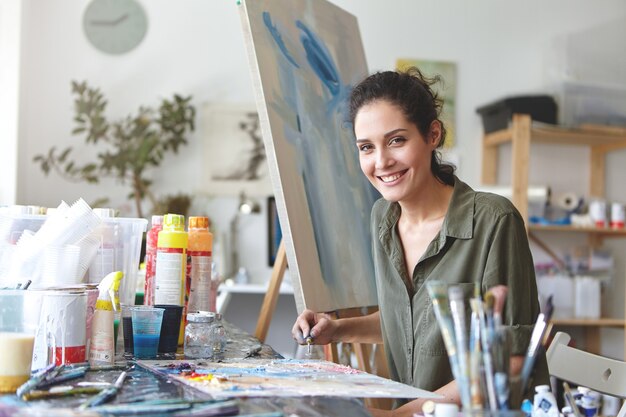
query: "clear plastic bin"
119, 251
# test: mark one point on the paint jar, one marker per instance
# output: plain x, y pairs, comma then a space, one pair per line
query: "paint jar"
19, 318
62, 338
617, 216
205, 336
597, 212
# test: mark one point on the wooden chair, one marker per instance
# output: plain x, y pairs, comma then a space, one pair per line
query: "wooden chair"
598, 373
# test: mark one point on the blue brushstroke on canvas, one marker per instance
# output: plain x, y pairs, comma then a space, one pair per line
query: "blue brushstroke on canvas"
338, 195
277, 37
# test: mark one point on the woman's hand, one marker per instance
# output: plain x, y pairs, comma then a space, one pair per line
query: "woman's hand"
320, 326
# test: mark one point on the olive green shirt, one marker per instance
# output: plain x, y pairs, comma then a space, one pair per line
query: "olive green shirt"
482, 240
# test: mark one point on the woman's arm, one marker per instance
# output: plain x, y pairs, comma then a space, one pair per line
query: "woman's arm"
323, 329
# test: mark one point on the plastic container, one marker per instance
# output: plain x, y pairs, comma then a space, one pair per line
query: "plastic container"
202, 291
13, 224
146, 331
497, 115
19, 321
544, 403
205, 336
587, 296
595, 104
150, 260
111, 246
131, 231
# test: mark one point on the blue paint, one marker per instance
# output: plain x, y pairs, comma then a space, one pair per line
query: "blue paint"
267, 19
338, 195
320, 59
145, 345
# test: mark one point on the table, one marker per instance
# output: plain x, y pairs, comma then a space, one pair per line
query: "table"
143, 385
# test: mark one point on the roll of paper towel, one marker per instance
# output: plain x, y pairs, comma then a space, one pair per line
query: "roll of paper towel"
567, 201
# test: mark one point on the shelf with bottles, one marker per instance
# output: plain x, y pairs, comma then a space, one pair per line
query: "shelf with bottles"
601, 140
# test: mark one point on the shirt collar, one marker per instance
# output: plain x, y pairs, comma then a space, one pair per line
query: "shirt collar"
459, 219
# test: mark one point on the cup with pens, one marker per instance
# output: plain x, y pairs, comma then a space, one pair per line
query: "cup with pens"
479, 353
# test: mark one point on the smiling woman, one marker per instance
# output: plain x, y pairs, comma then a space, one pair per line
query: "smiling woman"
115, 26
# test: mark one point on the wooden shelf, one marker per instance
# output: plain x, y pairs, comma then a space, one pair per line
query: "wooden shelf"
601, 140
602, 322
604, 137
604, 232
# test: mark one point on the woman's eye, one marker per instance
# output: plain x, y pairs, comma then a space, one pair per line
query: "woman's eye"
396, 140
364, 148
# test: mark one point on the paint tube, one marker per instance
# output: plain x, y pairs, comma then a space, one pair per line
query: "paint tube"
437, 291
457, 309
102, 349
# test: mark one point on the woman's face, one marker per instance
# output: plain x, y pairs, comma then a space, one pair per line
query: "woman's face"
394, 156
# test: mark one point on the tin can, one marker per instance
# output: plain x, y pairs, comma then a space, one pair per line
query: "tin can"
62, 336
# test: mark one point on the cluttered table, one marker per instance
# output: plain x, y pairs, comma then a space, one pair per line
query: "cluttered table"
145, 392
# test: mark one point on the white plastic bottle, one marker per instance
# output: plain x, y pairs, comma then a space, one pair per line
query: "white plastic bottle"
544, 403
102, 349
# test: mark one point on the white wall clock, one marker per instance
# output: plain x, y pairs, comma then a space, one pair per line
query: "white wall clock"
115, 26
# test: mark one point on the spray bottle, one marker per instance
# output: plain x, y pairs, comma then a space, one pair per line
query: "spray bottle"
200, 252
102, 350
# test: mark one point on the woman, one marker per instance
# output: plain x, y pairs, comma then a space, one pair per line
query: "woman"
428, 225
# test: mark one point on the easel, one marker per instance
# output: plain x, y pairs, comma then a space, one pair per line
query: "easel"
361, 350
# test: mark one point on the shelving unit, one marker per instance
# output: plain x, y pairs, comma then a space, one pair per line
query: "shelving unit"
601, 140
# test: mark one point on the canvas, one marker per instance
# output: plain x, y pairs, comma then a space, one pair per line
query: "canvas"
282, 378
305, 57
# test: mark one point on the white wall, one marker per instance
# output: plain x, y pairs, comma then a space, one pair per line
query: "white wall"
10, 16
195, 47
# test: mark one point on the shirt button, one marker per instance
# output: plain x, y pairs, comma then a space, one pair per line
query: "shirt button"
410, 351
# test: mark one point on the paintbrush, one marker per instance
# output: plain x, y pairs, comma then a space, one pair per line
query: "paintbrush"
309, 342
35, 380
569, 399
40, 395
63, 377
106, 394
536, 343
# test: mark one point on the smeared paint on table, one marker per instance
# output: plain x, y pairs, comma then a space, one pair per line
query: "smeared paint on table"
281, 378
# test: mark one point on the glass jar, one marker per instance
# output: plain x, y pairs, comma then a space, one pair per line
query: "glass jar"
205, 336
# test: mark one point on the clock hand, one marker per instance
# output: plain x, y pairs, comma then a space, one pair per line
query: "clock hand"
109, 22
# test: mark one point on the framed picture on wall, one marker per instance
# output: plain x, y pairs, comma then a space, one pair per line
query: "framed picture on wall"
234, 151
274, 234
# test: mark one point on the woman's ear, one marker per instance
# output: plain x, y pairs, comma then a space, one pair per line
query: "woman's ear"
434, 134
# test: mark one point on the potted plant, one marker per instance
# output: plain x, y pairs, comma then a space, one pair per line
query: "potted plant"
129, 146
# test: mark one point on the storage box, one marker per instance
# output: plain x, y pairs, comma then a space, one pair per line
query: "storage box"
593, 104
497, 115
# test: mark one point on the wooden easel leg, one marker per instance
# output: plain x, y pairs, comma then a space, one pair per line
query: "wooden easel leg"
271, 296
